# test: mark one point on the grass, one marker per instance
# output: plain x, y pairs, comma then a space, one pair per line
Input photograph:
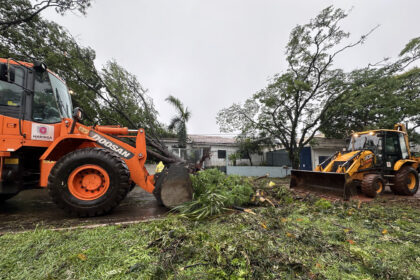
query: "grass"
300, 238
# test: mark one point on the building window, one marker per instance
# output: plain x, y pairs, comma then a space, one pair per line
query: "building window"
221, 153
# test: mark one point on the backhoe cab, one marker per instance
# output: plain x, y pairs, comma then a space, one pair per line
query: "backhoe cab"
373, 159
87, 170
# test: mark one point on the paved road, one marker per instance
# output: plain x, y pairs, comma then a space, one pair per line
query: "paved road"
33, 208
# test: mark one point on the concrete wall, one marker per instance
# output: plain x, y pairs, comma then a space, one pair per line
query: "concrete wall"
273, 171
316, 153
214, 160
325, 147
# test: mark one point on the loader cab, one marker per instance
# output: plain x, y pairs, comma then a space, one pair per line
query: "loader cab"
12, 84
395, 148
33, 93
389, 146
372, 141
51, 99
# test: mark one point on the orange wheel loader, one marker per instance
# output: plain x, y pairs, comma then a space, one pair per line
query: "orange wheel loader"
87, 170
374, 159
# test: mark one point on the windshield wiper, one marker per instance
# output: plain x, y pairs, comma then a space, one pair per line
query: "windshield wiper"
60, 103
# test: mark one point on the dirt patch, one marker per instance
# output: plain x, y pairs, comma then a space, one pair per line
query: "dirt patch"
387, 197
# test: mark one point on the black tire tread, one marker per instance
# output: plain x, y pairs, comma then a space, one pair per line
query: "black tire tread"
400, 186
105, 207
368, 184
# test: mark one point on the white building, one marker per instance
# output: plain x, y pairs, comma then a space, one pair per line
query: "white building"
314, 153
220, 148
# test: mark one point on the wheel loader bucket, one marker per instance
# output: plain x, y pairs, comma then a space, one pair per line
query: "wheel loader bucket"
173, 186
322, 182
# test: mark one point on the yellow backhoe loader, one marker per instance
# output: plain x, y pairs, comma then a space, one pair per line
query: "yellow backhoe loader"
373, 160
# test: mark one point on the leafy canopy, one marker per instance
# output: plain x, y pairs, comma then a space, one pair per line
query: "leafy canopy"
179, 121
292, 108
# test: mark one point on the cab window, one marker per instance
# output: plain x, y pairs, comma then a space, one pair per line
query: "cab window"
62, 96
392, 149
45, 109
403, 146
11, 93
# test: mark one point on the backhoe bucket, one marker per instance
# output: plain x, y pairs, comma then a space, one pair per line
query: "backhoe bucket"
173, 186
324, 182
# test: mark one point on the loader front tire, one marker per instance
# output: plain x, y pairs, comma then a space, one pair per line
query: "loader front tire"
406, 181
373, 185
89, 182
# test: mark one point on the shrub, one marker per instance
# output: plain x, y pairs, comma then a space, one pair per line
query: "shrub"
214, 192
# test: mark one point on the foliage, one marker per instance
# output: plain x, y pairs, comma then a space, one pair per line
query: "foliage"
214, 192
377, 240
323, 204
234, 157
13, 13
248, 145
179, 122
97, 92
376, 98
124, 91
293, 106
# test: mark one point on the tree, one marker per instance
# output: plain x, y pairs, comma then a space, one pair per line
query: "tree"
248, 146
293, 107
379, 96
179, 122
96, 92
16, 12
376, 100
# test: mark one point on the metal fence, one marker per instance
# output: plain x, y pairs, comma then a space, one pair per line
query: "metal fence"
277, 158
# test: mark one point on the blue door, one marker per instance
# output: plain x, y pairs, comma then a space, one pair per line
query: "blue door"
305, 159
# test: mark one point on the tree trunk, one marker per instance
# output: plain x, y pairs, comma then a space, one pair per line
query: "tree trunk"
294, 156
250, 160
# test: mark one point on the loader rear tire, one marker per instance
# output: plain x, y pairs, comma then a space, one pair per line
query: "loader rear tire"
89, 182
373, 185
406, 181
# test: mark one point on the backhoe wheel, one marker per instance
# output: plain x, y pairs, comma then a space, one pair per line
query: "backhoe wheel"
89, 182
406, 181
373, 185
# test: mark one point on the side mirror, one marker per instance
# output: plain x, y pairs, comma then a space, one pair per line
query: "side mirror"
40, 66
77, 114
7, 74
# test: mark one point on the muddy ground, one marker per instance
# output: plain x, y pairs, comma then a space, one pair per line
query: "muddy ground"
34, 208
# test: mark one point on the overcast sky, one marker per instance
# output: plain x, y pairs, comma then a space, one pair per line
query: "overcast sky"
213, 53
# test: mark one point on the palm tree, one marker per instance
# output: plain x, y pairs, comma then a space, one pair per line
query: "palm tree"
178, 123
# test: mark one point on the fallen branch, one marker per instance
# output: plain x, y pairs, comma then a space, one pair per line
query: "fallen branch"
194, 265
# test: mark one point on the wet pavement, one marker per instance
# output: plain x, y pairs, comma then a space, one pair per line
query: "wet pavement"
34, 208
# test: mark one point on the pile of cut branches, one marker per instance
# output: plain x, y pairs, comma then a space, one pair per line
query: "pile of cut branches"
214, 193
